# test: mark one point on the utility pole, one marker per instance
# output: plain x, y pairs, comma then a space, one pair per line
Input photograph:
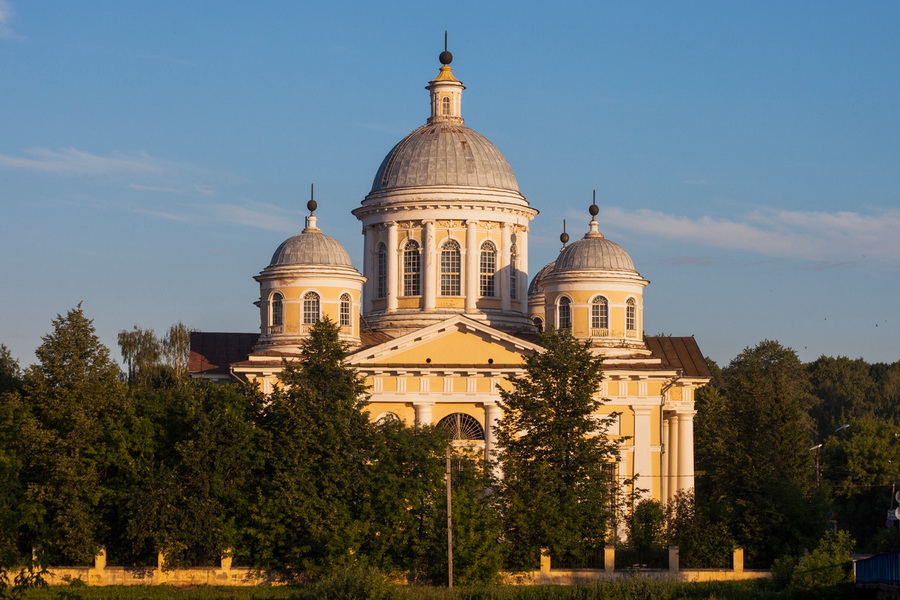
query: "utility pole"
449, 523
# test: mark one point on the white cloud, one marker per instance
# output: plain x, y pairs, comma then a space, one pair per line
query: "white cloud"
259, 215
6, 14
70, 161
829, 239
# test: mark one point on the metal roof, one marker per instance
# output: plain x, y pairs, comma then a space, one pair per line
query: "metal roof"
439, 154
311, 248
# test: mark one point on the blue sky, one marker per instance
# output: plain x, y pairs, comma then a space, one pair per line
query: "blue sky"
154, 154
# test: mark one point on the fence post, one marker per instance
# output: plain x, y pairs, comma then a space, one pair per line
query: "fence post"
100, 559
674, 553
609, 558
545, 561
226, 560
738, 560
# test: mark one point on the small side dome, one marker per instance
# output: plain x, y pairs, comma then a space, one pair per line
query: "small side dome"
536, 286
311, 248
594, 253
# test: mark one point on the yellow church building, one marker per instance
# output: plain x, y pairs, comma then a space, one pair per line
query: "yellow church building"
444, 311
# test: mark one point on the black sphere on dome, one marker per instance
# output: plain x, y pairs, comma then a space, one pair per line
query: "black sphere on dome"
446, 58
564, 238
594, 209
311, 206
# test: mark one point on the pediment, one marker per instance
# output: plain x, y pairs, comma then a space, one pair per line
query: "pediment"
458, 341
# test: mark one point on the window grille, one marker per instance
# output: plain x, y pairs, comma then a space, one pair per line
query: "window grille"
450, 269
630, 323
277, 309
462, 427
382, 271
412, 266
345, 310
310, 308
564, 316
600, 313
488, 266
513, 273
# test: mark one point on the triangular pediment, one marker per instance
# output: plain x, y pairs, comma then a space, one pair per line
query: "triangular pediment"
458, 341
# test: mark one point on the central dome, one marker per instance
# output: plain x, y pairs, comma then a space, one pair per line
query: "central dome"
593, 253
311, 248
439, 154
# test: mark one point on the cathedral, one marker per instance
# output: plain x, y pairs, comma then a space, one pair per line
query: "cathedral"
444, 311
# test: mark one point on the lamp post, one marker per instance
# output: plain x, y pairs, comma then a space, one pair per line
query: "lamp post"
818, 449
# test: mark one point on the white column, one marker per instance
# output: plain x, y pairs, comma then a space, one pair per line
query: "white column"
672, 457
686, 450
503, 270
471, 267
492, 415
522, 244
368, 255
429, 272
423, 413
393, 261
643, 469
664, 462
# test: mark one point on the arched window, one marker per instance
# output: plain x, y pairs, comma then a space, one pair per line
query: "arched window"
538, 323
382, 270
445, 106
513, 273
310, 308
462, 427
345, 310
488, 265
630, 321
277, 310
564, 313
599, 314
387, 417
450, 269
412, 269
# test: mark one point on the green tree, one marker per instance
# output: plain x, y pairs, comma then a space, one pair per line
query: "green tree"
10, 373
312, 507
757, 475
845, 391
190, 476
74, 439
554, 491
142, 352
703, 543
176, 348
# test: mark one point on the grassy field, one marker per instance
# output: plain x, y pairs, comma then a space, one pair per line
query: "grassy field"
338, 589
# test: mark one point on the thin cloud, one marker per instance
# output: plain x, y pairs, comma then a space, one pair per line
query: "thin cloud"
259, 215
829, 239
70, 161
163, 215
6, 15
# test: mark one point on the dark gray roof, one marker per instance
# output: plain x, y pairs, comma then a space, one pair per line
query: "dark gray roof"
311, 248
594, 253
438, 154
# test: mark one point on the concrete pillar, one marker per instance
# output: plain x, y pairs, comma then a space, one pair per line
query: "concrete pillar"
609, 558
429, 269
673, 559
664, 461
686, 450
393, 260
423, 413
226, 560
643, 468
160, 560
471, 270
737, 560
492, 414
545, 561
370, 286
522, 244
100, 559
504, 268
672, 451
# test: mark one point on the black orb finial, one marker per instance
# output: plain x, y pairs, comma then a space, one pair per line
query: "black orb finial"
564, 237
311, 206
594, 209
445, 57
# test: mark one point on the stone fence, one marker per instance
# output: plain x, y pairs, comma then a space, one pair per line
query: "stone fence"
548, 575
101, 575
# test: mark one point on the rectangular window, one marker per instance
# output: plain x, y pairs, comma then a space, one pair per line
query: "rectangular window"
450, 273
382, 274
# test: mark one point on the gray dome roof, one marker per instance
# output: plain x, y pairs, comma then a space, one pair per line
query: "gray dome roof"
444, 154
535, 286
311, 248
594, 253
